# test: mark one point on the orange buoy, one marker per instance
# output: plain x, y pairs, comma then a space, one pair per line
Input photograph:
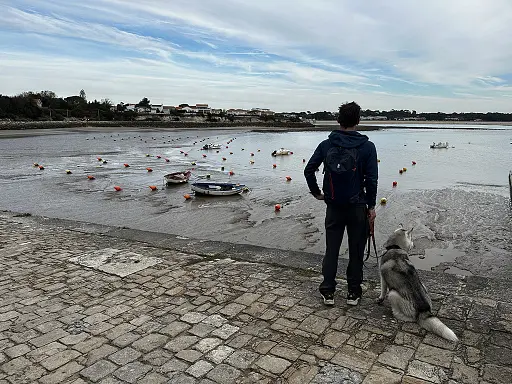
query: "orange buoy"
90, 177
117, 188
395, 183
167, 160
288, 178
186, 196
413, 163
231, 173
277, 207
153, 187
68, 172
274, 165
251, 161
404, 169
99, 158
41, 167
149, 169
126, 165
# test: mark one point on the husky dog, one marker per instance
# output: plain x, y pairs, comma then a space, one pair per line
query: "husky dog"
408, 297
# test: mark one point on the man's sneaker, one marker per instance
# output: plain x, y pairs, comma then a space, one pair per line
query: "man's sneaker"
328, 298
353, 298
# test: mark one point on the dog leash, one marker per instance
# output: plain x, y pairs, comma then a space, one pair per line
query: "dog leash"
371, 239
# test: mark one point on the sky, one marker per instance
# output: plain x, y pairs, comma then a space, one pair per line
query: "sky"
286, 55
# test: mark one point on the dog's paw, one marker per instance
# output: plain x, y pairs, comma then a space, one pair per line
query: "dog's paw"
379, 300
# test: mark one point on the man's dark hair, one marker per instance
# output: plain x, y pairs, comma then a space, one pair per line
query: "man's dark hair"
349, 114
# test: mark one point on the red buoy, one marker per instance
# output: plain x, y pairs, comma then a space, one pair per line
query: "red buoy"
186, 196
167, 160
41, 167
413, 163
204, 155
288, 178
153, 187
231, 173
127, 165
277, 207
118, 188
149, 169
395, 183
90, 177
274, 165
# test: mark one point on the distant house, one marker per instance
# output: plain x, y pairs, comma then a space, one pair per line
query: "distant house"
156, 108
202, 108
262, 112
130, 107
238, 112
374, 118
167, 109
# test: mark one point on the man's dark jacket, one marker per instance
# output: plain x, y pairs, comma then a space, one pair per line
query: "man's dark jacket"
367, 162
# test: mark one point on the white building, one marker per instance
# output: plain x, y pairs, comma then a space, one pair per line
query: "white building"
262, 111
238, 112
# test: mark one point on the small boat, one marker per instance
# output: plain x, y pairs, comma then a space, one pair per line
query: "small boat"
218, 189
281, 152
177, 177
211, 146
439, 145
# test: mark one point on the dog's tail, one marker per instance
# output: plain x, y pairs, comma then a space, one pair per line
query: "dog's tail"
434, 325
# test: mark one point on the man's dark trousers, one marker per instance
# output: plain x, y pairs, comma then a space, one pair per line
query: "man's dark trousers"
354, 218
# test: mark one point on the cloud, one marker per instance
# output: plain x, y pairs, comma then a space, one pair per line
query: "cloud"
289, 55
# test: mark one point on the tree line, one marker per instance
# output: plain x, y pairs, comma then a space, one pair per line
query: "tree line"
405, 114
46, 105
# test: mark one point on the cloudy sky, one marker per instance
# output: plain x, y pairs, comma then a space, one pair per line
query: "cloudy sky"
427, 55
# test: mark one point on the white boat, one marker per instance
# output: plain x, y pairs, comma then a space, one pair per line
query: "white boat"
211, 146
218, 189
439, 145
281, 152
177, 177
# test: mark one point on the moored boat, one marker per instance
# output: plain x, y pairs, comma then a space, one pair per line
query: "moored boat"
281, 152
211, 146
218, 189
177, 177
439, 145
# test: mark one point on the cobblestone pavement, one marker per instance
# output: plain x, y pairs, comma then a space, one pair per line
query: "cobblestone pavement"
197, 319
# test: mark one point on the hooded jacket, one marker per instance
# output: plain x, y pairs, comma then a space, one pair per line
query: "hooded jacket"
367, 162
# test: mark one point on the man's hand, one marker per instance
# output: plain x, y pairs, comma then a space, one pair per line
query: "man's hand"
320, 196
371, 215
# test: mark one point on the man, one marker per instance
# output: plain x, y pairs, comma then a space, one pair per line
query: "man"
349, 190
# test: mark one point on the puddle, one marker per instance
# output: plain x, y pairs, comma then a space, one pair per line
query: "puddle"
435, 256
458, 271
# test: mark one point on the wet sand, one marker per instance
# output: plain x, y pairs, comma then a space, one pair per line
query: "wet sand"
459, 227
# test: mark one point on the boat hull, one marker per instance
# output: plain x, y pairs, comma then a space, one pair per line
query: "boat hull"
217, 189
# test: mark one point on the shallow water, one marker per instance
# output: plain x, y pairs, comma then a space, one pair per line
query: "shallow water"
447, 180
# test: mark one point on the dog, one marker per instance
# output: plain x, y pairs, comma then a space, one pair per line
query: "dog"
399, 279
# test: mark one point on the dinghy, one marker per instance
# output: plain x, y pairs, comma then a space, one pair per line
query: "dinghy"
218, 189
177, 177
211, 146
281, 152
